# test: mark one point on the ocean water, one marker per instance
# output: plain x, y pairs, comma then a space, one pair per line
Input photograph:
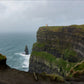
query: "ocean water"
12, 45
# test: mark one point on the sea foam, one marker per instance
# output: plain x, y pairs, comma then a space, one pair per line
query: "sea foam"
25, 63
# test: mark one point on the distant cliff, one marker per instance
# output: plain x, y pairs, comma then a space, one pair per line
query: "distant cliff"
58, 48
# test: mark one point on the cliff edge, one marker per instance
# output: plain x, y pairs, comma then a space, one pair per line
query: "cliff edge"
13, 76
58, 48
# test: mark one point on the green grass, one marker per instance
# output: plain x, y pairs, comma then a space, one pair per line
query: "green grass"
59, 62
77, 26
2, 57
64, 65
58, 28
77, 70
44, 55
71, 55
69, 52
39, 45
79, 66
51, 28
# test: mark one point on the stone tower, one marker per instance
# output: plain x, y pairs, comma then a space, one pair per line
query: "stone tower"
46, 25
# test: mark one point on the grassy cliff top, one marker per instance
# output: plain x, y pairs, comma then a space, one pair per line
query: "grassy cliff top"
58, 28
2, 57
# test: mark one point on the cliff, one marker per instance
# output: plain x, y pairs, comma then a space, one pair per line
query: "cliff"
58, 48
13, 76
3, 64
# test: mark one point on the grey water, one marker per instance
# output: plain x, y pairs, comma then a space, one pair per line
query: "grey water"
12, 45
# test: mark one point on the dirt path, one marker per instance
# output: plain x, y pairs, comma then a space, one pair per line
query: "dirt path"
12, 76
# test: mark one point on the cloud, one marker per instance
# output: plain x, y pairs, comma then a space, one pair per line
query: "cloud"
28, 15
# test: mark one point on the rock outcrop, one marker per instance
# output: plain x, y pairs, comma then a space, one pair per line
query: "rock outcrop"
26, 50
3, 64
63, 43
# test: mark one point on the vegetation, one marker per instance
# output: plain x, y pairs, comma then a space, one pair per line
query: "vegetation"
79, 66
70, 55
61, 44
58, 28
77, 70
50, 28
63, 65
54, 77
45, 56
77, 26
2, 57
39, 45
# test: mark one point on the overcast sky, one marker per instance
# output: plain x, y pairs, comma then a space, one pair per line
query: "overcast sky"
29, 15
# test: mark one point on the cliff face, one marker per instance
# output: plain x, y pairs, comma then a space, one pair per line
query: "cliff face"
55, 45
56, 41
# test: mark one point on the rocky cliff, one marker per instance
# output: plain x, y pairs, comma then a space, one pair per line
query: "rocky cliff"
3, 64
57, 49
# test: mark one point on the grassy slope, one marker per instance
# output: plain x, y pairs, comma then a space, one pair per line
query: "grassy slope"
2, 57
59, 62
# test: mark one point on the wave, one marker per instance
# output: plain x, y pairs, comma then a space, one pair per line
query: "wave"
21, 54
25, 63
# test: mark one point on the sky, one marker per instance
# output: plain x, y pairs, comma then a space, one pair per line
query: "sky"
29, 15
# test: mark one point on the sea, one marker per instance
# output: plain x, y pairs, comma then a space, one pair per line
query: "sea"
12, 45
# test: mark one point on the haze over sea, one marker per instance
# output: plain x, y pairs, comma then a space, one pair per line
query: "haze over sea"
12, 45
